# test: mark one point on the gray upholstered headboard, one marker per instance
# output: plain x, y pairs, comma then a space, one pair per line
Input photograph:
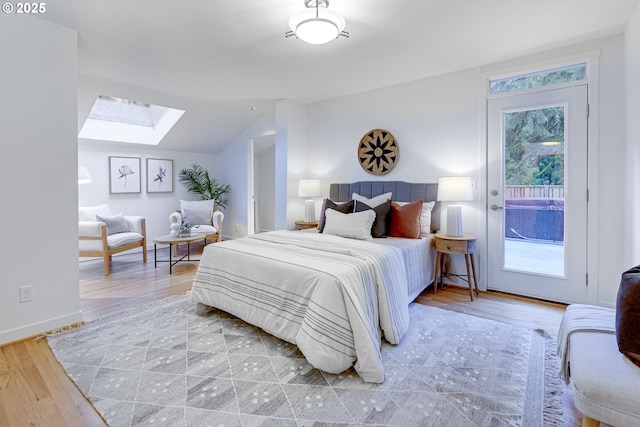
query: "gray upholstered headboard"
401, 192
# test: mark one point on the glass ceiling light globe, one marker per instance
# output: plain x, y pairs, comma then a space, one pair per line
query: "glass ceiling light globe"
318, 29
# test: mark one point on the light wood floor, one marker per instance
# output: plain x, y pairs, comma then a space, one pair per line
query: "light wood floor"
35, 391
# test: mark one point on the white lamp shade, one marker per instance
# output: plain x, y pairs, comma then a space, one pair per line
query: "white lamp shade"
83, 175
455, 189
309, 188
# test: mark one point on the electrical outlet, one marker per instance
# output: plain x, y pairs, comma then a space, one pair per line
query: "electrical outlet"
26, 293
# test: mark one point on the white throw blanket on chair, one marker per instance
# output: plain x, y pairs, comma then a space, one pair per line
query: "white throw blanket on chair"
582, 318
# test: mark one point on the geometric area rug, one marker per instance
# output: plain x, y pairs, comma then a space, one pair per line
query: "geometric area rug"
164, 365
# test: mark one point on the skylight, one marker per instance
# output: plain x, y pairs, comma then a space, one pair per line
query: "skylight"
121, 120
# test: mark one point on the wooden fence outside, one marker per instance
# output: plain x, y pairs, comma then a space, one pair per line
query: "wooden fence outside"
534, 192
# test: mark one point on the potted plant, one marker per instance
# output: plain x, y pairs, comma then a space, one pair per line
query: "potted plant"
197, 181
185, 229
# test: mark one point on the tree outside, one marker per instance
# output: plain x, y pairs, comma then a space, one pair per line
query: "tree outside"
534, 147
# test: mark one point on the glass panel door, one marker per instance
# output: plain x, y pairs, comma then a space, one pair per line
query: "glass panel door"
534, 190
537, 183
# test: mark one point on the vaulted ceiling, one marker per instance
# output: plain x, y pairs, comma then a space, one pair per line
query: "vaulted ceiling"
214, 58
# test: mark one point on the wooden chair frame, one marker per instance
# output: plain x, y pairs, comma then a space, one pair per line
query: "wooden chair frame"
107, 253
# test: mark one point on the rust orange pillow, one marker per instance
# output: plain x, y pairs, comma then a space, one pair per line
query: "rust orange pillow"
405, 220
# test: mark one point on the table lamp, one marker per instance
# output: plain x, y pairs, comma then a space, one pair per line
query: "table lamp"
309, 188
454, 189
83, 175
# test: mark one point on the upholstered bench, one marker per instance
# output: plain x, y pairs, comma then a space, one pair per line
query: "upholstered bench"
605, 383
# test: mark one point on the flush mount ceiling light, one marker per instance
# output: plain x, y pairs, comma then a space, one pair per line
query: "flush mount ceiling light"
317, 25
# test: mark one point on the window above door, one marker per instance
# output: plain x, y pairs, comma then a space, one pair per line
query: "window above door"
546, 77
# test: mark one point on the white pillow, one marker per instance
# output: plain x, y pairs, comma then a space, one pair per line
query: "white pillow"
354, 225
196, 205
89, 213
425, 216
115, 224
373, 202
197, 217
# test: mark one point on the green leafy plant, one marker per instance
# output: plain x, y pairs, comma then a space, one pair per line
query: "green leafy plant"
186, 227
197, 181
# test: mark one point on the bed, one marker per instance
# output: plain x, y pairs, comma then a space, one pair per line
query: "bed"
333, 297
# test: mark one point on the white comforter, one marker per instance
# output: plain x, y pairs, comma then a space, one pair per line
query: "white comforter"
331, 296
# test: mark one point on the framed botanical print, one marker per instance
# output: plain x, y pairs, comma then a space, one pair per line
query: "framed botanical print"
124, 175
159, 176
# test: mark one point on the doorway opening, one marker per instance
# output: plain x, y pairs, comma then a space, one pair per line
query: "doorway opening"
263, 184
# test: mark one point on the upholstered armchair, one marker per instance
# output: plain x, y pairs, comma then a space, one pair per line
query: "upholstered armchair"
203, 217
102, 234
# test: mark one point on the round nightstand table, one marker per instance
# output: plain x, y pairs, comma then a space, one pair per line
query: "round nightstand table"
303, 225
448, 245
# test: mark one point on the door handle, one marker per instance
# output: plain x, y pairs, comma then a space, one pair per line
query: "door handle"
495, 207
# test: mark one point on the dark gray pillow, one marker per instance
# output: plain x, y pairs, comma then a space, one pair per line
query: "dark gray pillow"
345, 208
115, 224
628, 315
381, 223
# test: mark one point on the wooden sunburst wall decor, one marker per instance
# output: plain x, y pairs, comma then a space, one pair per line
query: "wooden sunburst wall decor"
378, 151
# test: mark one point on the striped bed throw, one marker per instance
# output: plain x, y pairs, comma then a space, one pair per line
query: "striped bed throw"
335, 298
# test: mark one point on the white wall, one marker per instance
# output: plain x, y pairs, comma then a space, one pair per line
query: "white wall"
632, 223
436, 121
438, 124
233, 163
608, 192
291, 165
94, 154
38, 177
155, 207
291, 160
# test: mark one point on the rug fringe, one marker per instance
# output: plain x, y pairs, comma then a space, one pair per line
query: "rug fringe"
76, 385
76, 326
68, 328
554, 388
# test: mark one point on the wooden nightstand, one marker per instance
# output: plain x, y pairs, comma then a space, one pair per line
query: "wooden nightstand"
303, 225
448, 245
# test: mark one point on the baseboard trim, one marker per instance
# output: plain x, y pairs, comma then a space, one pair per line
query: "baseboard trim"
35, 329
